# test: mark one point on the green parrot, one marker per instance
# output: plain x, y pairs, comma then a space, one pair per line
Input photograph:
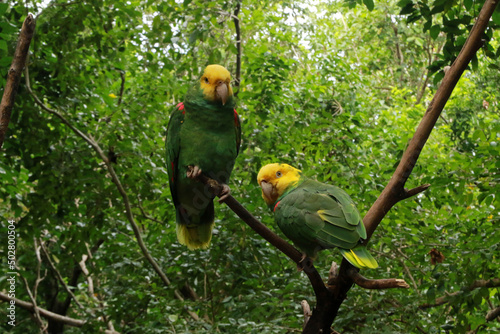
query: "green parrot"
203, 132
314, 215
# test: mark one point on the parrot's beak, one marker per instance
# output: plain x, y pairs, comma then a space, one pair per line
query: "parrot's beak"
268, 191
222, 91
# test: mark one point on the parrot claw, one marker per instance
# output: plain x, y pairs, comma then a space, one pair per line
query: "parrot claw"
225, 192
194, 172
305, 263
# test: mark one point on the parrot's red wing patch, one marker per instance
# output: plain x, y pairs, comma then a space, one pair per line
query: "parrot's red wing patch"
276, 206
236, 118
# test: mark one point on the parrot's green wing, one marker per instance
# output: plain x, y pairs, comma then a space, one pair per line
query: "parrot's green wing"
172, 148
317, 216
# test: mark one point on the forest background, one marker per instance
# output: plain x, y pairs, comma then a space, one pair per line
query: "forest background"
335, 88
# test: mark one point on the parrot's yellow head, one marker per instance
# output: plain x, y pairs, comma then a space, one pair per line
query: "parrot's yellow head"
216, 84
275, 179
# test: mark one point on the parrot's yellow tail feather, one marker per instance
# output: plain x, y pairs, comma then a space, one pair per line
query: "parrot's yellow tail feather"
359, 257
195, 237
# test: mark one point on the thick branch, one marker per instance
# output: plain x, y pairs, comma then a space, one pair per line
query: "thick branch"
394, 191
43, 312
366, 283
14, 75
236, 21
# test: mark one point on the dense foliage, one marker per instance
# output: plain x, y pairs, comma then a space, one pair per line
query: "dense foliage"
334, 88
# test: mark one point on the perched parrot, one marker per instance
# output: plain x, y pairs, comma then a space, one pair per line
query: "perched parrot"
203, 132
314, 215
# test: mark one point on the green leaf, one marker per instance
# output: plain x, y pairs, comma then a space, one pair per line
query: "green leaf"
434, 31
3, 8
496, 16
369, 4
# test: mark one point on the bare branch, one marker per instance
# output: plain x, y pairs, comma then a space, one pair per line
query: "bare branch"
36, 312
416, 190
389, 283
408, 272
493, 314
14, 74
44, 313
394, 191
236, 21
48, 314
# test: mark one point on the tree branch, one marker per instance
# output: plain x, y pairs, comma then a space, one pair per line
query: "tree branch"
43, 312
236, 21
58, 275
491, 283
114, 178
122, 86
47, 314
14, 75
394, 191
493, 314
366, 283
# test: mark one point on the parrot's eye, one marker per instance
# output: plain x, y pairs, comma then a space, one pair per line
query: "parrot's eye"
206, 80
278, 174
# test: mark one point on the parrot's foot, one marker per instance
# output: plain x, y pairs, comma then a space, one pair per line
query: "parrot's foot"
194, 172
305, 263
226, 191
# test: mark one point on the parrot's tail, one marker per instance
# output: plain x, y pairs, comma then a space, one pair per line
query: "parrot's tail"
359, 257
196, 235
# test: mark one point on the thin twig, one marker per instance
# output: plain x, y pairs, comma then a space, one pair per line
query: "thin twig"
408, 272
122, 86
144, 214
58, 275
237, 28
36, 313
